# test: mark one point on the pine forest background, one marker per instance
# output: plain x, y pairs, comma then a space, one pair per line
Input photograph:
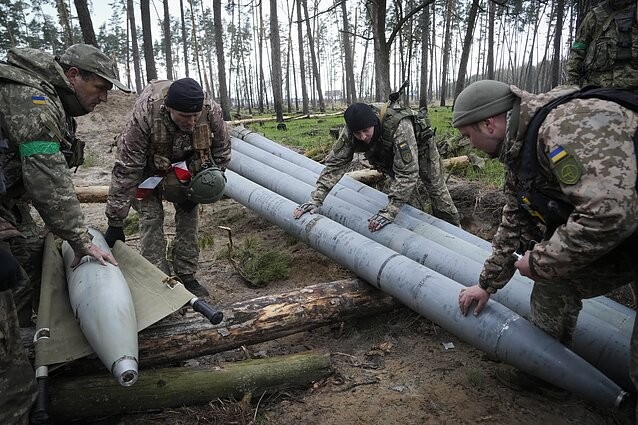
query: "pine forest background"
306, 56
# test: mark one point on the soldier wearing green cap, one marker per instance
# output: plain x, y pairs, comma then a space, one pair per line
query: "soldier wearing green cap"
40, 94
570, 186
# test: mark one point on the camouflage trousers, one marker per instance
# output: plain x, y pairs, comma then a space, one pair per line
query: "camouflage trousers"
18, 389
185, 248
28, 250
433, 178
555, 305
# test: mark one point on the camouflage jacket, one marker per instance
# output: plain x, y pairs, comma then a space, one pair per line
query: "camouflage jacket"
35, 123
594, 55
595, 136
401, 153
148, 128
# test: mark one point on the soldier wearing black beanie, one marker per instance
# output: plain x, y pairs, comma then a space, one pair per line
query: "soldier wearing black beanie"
185, 95
360, 116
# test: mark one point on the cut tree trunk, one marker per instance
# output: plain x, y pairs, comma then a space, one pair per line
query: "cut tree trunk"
90, 396
177, 338
92, 194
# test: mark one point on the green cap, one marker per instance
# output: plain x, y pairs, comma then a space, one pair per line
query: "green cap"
90, 58
481, 100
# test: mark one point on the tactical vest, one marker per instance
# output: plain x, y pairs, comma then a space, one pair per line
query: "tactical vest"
162, 136
544, 209
381, 155
612, 44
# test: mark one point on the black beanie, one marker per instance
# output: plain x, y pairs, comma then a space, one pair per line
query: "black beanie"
359, 116
185, 95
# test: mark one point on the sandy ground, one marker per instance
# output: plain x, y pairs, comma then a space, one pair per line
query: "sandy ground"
392, 369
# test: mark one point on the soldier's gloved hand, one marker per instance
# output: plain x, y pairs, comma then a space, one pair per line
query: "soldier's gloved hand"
378, 221
188, 206
9, 271
114, 234
306, 207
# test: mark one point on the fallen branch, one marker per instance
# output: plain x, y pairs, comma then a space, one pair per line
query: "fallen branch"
90, 396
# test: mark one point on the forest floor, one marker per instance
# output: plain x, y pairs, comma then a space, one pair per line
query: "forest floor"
392, 369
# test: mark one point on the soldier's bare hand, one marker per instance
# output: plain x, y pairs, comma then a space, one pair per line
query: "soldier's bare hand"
377, 222
468, 296
103, 257
306, 207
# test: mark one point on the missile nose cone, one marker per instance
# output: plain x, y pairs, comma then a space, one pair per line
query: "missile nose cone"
125, 371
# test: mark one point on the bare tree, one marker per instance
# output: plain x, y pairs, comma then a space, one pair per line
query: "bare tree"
425, 37
65, 22
446, 49
147, 37
351, 91
302, 62
490, 38
313, 56
86, 25
221, 63
184, 43
467, 45
168, 48
136, 51
560, 17
276, 62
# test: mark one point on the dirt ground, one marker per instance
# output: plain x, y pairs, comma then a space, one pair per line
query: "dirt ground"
391, 369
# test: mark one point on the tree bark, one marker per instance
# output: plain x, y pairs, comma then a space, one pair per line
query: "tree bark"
224, 100
467, 45
313, 57
179, 338
351, 90
425, 41
302, 62
168, 48
91, 396
276, 79
65, 22
147, 37
91, 194
136, 51
86, 24
184, 43
446, 50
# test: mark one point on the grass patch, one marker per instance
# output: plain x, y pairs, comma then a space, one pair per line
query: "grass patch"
132, 224
303, 133
258, 266
475, 378
206, 240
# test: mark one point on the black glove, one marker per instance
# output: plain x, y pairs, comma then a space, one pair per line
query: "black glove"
114, 234
187, 206
9, 271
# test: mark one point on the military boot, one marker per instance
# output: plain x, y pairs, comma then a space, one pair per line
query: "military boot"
192, 285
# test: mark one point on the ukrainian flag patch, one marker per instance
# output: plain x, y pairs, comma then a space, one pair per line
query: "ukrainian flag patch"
39, 100
557, 154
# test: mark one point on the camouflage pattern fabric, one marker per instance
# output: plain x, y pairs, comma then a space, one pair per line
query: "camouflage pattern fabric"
596, 137
593, 56
185, 250
409, 162
137, 160
35, 122
18, 388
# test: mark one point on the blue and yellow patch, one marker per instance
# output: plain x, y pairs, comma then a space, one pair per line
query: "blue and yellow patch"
565, 167
39, 100
557, 154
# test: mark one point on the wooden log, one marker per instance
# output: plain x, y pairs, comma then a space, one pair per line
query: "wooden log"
90, 396
266, 318
366, 175
92, 194
457, 161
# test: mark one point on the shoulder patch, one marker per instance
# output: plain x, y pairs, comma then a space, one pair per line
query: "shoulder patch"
565, 166
404, 150
39, 100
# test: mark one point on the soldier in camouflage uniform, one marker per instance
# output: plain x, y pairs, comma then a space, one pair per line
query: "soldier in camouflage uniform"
586, 159
39, 96
171, 122
605, 50
395, 152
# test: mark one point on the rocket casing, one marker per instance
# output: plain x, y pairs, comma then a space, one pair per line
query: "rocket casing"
101, 302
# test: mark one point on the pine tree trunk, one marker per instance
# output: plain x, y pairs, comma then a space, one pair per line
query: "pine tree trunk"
136, 51
168, 48
86, 24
